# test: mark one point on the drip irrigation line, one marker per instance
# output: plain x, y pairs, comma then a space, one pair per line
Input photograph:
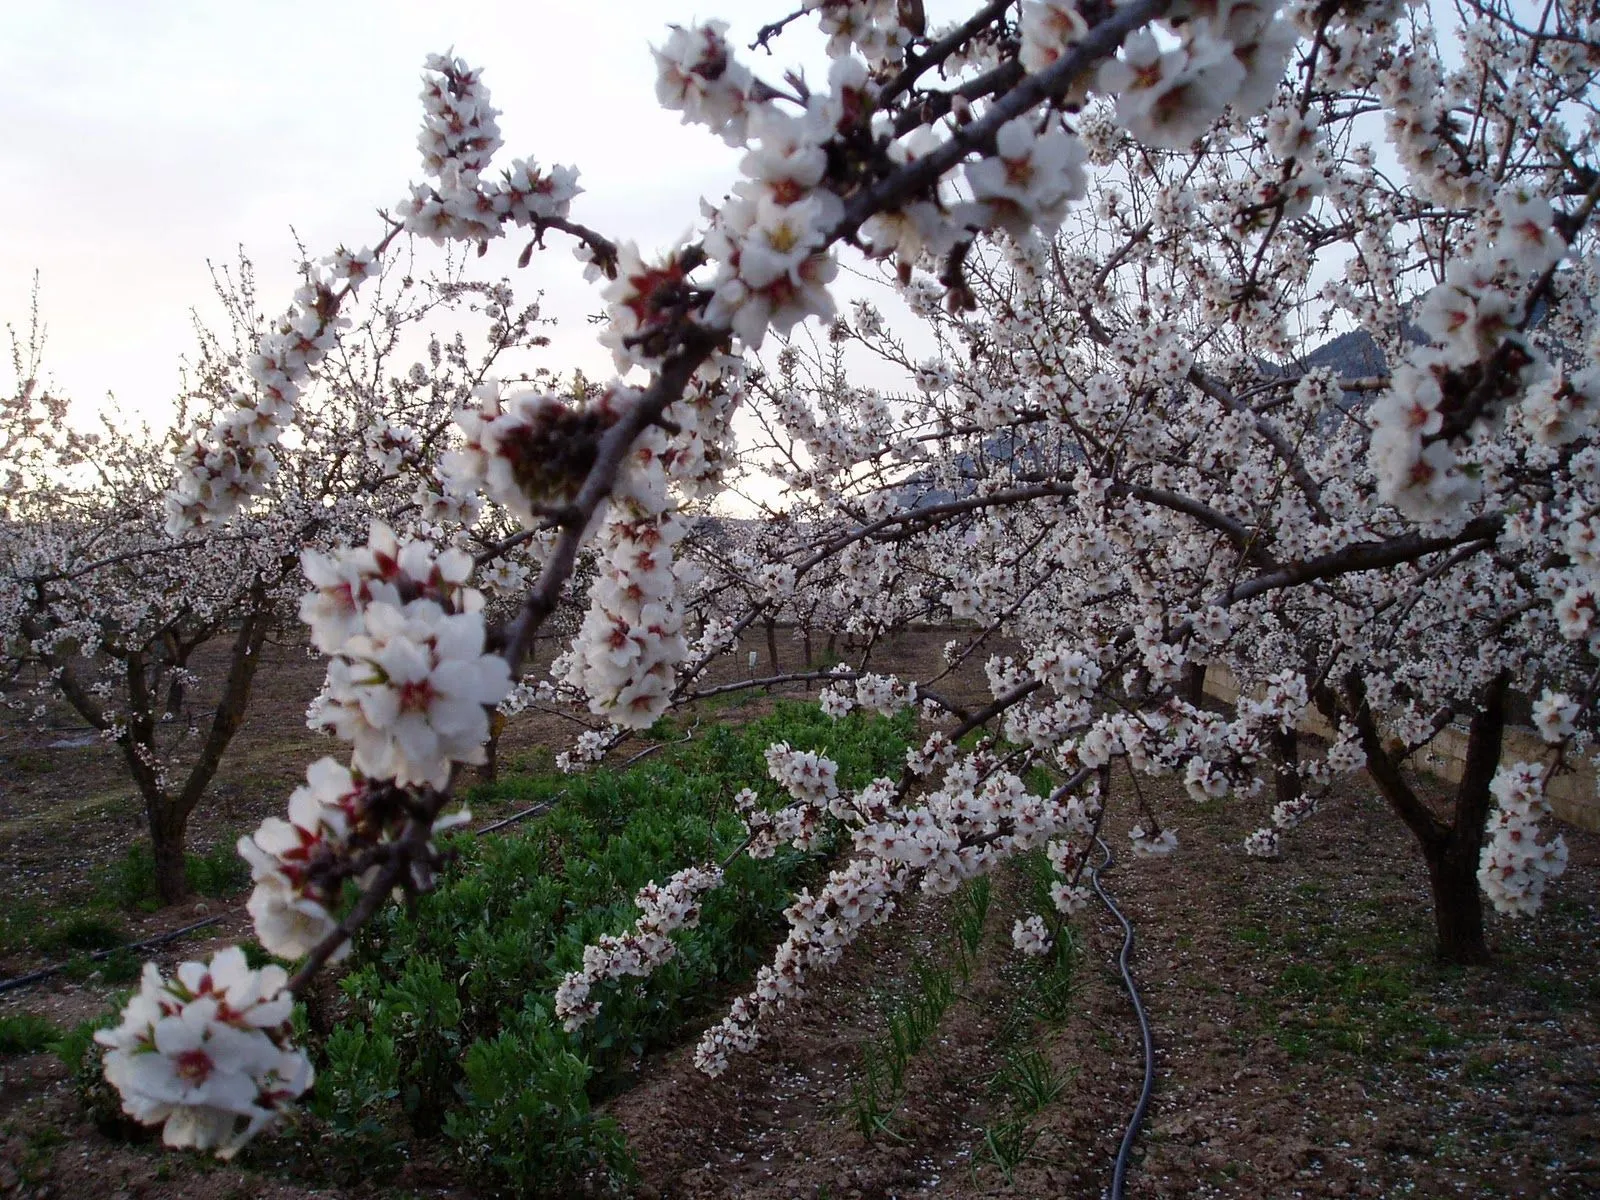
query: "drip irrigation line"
652, 749
1119, 1172
98, 956
172, 935
533, 811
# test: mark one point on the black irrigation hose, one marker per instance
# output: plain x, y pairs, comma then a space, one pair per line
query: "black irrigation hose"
173, 935
159, 940
1119, 1173
543, 806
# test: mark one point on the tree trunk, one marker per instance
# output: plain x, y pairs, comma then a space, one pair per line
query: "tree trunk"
772, 644
1457, 906
1453, 866
1286, 749
1450, 849
489, 772
167, 831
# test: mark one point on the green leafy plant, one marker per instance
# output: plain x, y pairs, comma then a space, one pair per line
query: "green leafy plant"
872, 1098
27, 1033
357, 1087
449, 1036
526, 1115
121, 965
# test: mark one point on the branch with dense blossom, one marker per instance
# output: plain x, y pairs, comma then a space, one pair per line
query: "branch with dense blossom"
1082, 471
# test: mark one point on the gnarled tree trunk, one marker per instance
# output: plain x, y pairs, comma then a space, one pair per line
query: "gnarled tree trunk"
1450, 848
168, 838
167, 811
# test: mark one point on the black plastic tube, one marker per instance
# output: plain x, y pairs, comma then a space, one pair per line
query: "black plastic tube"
1119, 1171
100, 955
44, 973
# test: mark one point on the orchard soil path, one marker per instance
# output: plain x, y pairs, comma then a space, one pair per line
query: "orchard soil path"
1307, 1045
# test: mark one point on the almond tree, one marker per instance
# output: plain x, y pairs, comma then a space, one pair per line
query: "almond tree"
108, 612
1117, 550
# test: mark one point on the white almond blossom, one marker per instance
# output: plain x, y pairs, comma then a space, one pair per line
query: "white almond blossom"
206, 1053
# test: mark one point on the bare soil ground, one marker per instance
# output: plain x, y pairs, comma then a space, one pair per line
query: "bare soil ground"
1307, 1044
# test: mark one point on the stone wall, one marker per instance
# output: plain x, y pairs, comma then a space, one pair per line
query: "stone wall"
1572, 796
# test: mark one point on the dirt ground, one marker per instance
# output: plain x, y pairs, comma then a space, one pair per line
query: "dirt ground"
1307, 1046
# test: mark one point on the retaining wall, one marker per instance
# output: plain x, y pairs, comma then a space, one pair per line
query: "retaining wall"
1572, 796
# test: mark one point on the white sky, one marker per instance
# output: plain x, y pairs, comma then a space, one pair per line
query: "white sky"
150, 135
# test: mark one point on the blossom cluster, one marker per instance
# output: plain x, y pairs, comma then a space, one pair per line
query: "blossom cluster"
219, 470
458, 141
411, 686
663, 910
1031, 937
1152, 842
632, 634
528, 451
1168, 95
882, 694
292, 861
1518, 859
807, 776
410, 683
1446, 388
821, 926
206, 1054
223, 467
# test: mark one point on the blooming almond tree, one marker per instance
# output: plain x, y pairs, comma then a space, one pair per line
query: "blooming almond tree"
1168, 432
1133, 469
104, 609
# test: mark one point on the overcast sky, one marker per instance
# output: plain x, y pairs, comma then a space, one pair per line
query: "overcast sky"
151, 135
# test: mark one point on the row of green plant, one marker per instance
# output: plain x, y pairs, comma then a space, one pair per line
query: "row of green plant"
443, 1034
1042, 992
912, 1018
1045, 996
910, 1022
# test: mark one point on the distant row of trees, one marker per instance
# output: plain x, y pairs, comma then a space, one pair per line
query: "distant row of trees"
155, 640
